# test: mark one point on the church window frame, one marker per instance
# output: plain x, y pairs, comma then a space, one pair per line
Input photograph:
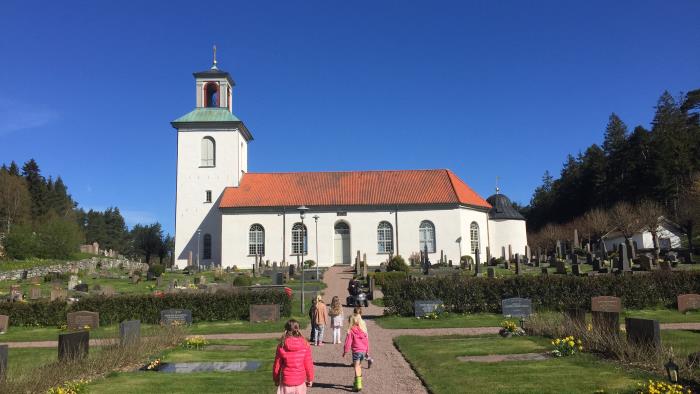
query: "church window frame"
208, 152
426, 236
299, 239
256, 240
206, 247
207, 196
385, 237
474, 237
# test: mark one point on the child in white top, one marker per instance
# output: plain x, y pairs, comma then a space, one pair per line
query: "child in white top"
336, 315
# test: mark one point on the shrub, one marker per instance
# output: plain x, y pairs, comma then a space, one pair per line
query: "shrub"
242, 280
222, 305
397, 263
156, 269
309, 263
553, 292
381, 278
59, 239
21, 243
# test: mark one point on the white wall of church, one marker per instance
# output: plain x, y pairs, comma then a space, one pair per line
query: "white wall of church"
507, 232
192, 212
450, 225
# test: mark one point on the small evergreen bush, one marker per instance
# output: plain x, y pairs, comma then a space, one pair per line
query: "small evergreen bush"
242, 280
397, 263
156, 269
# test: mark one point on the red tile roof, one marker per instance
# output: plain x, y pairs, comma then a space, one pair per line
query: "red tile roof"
353, 188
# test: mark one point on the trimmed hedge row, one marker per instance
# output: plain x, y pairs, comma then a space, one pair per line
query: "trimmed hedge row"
551, 292
223, 305
381, 278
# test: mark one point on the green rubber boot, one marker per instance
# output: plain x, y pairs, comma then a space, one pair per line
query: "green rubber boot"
359, 383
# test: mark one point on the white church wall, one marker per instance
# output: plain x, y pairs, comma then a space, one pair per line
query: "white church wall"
192, 210
467, 216
449, 224
507, 232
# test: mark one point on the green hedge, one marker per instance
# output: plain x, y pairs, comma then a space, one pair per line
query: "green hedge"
381, 278
223, 305
551, 292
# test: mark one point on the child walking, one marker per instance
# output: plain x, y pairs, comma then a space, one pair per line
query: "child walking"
293, 370
312, 319
321, 320
336, 315
358, 311
357, 342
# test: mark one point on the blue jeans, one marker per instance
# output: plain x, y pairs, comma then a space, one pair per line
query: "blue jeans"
319, 333
312, 338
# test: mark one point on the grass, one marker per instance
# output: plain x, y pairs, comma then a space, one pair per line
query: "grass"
259, 381
11, 265
664, 315
452, 320
435, 360
683, 342
20, 361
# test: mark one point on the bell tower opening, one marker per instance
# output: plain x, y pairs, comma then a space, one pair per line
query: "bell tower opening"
211, 95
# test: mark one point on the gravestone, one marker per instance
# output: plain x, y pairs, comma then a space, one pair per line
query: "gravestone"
576, 270
159, 281
643, 332
4, 323
135, 279
259, 313
510, 253
130, 332
72, 282
107, 290
577, 245
58, 294
596, 264
291, 270
577, 316
74, 345
606, 322
175, 316
16, 293
687, 302
83, 287
517, 264
624, 264
491, 272
78, 320
644, 262
606, 304
196, 281
516, 307
423, 307
477, 262
278, 278
35, 280
3, 361
150, 276
561, 267
503, 252
559, 254
372, 287
34, 293
202, 280
506, 264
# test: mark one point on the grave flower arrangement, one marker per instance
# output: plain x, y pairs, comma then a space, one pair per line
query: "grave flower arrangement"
566, 346
152, 365
661, 387
195, 342
73, 387
509, 328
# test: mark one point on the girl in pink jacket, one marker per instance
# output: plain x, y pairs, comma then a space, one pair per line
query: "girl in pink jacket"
357, 342
293, 369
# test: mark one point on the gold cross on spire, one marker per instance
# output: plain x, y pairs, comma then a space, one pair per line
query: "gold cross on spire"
213, 66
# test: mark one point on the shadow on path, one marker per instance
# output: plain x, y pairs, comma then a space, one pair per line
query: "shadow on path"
333, 386
322, 364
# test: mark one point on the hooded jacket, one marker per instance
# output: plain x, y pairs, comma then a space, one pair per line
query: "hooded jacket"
293, 363
357, 341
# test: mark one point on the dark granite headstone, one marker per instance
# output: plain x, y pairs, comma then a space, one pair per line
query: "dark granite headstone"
606, 322
624, 259
688, 302
3, 362
372, 287
645, 262
259, 313
4, 323
516, 307
606, 304
491, 272
423, 307
74, 345
175, 316
78, 320
477, 262
596, 264
278, 278
517, 264
130, 332
576, 270
644, 332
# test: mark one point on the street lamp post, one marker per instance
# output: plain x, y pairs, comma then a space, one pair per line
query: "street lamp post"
316, 217
302, 213
199, 236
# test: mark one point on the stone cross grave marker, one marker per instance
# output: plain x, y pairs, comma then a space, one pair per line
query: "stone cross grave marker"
4, 323
34, 293
688, 302
423, 307
260, 313
516, 307
78, 320
644, 332
175, 316
130, 332
74, 345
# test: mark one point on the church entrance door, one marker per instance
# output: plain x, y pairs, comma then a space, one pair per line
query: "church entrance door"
341, 243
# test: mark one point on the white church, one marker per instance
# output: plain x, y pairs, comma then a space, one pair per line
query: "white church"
227, 216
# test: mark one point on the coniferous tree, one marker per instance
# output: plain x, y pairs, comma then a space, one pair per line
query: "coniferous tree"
37, 189
13, 169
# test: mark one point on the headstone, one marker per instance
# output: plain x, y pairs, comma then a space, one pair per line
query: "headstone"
506, 264
189, 258
74, 345
517, 264
107, 290
558, 250
606, 304
589, 257
561, 267
644, 262
576, 270
259, 313
34, 293
516, 307
4, 323
150, 276
278, 278
175, 316
135, 279
687, 302
503, 252
491, 272
159, 281
597, 264
72, 282
644, 332
423, 307
79, 320
202, 280
606, 322
510, 253
291, 270
130, 332
3, 361
477, 262
527, 253
372, 287
83, 287
35, 280
624, 260
196, 281
58, 294
577, 245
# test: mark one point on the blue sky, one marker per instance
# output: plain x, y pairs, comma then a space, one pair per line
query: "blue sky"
486, 89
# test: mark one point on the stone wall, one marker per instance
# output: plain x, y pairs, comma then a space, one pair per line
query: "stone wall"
85, 264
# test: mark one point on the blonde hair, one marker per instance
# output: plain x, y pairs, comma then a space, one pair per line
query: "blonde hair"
356, 320
318, 298
336, 308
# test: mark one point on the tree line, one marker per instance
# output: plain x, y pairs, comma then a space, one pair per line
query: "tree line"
39, 218
660, 165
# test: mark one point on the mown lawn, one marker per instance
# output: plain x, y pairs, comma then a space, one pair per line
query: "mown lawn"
259, 381
435, 360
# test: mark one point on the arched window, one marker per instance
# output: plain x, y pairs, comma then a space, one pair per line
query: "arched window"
426, 236
208, 152
206, 250
474, 236
385, 237
256, 240
299, 237
211, 95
